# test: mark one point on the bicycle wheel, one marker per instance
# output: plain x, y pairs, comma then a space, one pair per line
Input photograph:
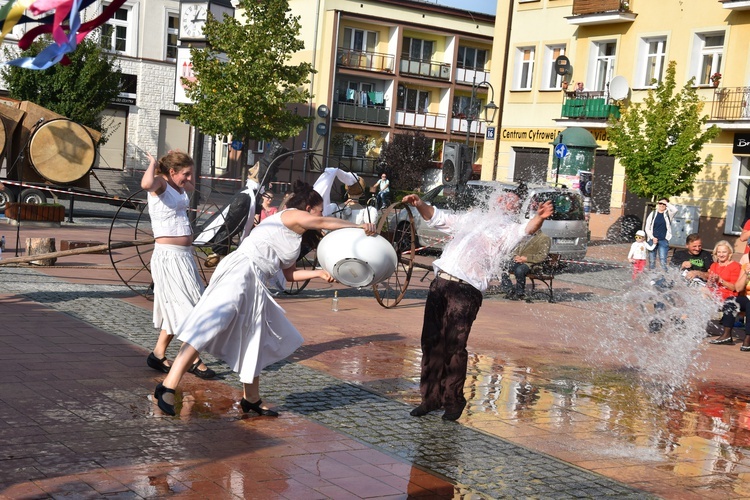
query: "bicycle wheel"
131, 244
306, 262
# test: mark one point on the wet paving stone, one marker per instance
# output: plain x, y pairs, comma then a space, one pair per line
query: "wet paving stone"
485, 465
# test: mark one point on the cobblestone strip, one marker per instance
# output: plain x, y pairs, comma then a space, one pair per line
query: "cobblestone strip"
485, 464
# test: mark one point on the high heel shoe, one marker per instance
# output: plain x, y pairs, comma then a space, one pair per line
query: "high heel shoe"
159, 394
256, 407
156, 363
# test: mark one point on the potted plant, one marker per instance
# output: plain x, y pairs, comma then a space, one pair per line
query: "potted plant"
715, 79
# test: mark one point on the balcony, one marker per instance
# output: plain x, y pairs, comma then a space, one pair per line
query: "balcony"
429, 121
470, 76
373, 115
429, 69
731, 104
592, 12
459, 124
368, 61
735, 4
588, 106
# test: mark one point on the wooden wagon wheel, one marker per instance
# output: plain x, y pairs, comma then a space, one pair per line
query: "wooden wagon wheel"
131, 223
396, 224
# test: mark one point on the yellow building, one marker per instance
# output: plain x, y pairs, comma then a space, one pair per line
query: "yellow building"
391, 66
628, 42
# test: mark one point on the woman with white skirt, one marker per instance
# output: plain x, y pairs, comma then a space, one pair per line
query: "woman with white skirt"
177, 283
237, 319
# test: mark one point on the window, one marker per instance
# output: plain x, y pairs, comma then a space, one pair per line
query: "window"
710, 50
173, 24
654, 56
360, 40
115, 31
741, 190
414, 100
417, 50
604, 63
524, 68
471, 58
552, 80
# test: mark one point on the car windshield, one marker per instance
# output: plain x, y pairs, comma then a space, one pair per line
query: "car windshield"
568, 206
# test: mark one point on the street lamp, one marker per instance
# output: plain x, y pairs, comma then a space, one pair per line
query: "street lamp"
490, 109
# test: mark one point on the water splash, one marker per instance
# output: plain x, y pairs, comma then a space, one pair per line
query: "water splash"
656, 329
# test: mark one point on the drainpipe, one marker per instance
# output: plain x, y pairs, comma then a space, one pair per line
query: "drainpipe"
310, 110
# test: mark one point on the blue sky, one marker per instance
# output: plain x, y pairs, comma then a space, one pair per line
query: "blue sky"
486, 6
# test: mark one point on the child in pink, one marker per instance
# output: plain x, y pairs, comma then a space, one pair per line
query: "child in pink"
638, 255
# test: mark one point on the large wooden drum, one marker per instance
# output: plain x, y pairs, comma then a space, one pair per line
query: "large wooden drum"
61, 150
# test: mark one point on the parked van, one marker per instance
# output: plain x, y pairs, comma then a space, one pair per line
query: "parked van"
567, 227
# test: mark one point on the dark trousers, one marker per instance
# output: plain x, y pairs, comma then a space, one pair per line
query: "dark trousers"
449, 312
520, 270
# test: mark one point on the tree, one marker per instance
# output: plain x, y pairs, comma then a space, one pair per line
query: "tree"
243, 79
659, 142
79, 91
406, 158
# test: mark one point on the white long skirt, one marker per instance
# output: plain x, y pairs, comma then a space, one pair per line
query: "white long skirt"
177, 285
238, 321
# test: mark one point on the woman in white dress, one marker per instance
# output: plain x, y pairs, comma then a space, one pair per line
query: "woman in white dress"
177, 284
237, 319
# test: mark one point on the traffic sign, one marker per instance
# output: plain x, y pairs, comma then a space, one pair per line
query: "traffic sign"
561, 150
237, 145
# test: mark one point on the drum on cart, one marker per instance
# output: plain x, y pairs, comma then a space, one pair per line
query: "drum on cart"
61, 150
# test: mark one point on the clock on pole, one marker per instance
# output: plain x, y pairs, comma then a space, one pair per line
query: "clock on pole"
193, 16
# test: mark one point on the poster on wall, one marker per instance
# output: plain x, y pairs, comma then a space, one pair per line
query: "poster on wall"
184, 70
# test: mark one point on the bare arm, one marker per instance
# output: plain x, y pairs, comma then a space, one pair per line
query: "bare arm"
151, 182
745, 235
300, 221
294, 274
544, 212
425, 210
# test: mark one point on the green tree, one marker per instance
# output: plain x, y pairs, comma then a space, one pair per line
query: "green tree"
659, 142
79, 91
406, 158
243, 79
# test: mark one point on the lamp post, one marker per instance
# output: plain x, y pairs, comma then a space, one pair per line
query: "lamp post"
490, 109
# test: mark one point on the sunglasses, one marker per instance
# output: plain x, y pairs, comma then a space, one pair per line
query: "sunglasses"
660, 203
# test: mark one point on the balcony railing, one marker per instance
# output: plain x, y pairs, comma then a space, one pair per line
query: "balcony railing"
371, 61
471, 76
430, 69
460, 125
588, 105
731, 103
355, 164
590, 12
431, 121
375, 115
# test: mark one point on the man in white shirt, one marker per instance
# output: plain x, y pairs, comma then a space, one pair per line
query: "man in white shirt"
481, 242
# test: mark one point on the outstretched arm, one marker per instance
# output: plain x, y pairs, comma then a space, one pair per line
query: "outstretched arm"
425, 210
300, 221
544, 212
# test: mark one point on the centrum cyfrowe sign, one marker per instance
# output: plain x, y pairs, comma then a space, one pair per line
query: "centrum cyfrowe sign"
545, 135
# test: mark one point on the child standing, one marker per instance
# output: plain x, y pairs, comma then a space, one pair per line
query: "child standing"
638, 254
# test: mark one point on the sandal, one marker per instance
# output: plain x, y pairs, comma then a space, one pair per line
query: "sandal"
726, 341
163, 396
204, 374
256, 407
157, 364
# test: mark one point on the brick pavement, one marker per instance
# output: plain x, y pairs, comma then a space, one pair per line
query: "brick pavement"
75, 421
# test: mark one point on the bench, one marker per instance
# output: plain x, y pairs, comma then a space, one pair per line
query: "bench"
545, 273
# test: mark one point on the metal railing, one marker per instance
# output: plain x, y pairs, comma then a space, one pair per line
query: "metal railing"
592, 105
354, 164
731, 103
371, 61
431, 69
375, 115
583, 7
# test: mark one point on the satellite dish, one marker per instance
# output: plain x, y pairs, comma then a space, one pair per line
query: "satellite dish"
618, 88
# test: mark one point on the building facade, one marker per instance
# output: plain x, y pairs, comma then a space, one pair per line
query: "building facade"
628, 42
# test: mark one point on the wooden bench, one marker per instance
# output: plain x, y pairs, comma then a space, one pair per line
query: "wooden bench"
545, 273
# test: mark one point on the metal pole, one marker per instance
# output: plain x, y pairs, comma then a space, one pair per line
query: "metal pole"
557, 170
70, 209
